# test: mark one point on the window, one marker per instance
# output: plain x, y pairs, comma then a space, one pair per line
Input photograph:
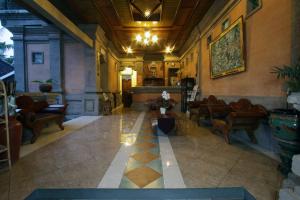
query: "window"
253, 6
225, 24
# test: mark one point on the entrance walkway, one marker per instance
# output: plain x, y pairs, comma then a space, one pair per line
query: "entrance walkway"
120, 151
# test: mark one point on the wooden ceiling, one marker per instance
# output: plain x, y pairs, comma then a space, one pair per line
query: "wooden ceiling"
177, 18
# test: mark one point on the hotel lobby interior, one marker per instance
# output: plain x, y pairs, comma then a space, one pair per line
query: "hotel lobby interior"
150, 99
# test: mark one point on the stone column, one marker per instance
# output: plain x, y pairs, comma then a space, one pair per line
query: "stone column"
295, 32
90, 73
56, 62
104, 72
92, 97
19, 59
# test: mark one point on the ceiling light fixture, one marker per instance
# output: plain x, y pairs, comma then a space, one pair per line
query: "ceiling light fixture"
169, 49
128, 50
154, 38
138, 38
147, 34
147, 13
146, 38
146, 41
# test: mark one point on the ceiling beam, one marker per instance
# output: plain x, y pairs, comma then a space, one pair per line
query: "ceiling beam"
50, 12
162, 28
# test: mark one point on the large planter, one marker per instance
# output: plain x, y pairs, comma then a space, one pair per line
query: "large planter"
286, 130
45, 87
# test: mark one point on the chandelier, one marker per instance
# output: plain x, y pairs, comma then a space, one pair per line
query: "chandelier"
146, 39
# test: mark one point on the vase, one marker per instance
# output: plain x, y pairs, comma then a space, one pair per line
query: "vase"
285, 129
294, 98
163, 110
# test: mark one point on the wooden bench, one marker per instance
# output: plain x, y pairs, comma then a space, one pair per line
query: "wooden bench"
36, 115
241, 115
201, 108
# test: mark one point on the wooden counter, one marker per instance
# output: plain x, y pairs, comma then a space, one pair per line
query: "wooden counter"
141, 94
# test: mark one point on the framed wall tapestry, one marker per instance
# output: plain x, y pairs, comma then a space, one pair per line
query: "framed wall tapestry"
227, 51
37, 57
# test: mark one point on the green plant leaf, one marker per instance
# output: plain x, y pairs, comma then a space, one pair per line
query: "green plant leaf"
291, 74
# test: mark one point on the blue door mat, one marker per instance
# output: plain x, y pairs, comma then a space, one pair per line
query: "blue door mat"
237, 193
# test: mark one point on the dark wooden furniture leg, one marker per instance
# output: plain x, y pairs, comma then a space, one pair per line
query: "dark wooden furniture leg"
59, 122
251, 135
36, 131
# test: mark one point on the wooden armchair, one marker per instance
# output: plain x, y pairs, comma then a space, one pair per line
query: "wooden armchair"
241, 115
35, 115
201, 108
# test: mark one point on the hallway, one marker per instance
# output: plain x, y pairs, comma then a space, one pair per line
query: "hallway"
120, 151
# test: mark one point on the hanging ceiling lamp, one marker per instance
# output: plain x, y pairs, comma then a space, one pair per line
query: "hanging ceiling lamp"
147, 38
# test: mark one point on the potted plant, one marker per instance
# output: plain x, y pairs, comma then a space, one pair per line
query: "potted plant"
285, 123
45, 86
292, 76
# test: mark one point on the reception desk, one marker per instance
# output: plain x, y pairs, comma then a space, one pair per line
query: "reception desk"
141, 94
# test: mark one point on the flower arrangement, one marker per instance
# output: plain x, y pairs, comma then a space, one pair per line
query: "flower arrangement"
165, 99
165, 102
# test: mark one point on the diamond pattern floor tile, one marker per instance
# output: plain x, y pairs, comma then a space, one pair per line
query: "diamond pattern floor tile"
155, 164
126, 183
144, 157
142, 176
132, 164
155, 151
145, 145
158, 183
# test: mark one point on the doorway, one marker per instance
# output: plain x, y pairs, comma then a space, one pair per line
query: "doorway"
128, 79
126, 85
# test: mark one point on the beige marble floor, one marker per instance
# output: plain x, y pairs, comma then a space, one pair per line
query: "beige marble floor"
80, 160
205, 160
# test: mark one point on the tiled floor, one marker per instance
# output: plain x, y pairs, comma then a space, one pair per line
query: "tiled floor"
88, 157
144, 167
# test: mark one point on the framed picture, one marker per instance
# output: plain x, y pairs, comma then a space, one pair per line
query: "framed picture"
37, 57
227, 51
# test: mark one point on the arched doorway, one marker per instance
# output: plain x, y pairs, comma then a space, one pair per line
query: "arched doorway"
128, 79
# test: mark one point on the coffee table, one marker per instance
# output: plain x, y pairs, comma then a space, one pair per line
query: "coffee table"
165, 122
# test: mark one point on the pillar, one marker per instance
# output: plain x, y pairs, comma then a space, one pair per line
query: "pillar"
19, 59
56, 62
